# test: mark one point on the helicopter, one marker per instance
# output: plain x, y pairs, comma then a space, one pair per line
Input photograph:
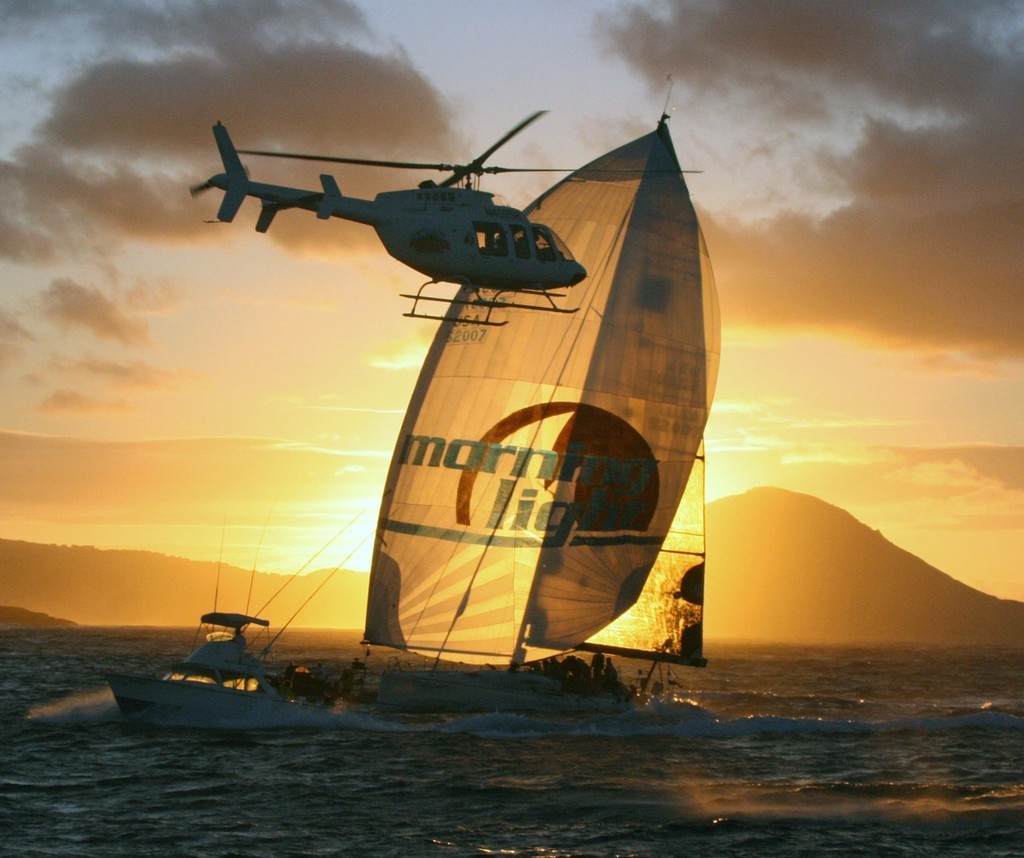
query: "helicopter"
448, 230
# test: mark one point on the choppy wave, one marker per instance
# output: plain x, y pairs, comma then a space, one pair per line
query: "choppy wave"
787, 757
664, 717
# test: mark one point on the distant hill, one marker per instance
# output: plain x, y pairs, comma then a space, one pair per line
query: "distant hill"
99, 587
781, 566
784, 566
10, 616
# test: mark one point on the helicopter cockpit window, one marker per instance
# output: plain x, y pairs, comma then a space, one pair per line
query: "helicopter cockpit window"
543, 244
562, 247
520, 240
490, 238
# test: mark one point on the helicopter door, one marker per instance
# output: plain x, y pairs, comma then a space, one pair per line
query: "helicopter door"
520, 240
543, 245
491, 239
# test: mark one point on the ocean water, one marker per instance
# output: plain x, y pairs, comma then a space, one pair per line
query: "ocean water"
770, 751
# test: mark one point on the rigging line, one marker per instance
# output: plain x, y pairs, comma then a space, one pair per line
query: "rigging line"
573, 333
220, 558
472, 580
259, 545
319, 587
311, 559
451, 319
433, 357
216, 586
570, 338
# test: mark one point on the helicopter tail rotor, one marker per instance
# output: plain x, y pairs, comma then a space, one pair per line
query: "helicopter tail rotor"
196, 190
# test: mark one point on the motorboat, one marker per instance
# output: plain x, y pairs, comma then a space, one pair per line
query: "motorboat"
223, 678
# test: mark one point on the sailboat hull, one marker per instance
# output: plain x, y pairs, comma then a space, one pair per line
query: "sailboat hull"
485, 691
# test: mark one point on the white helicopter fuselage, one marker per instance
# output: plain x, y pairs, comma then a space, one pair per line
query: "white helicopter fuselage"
450, 234
459, 235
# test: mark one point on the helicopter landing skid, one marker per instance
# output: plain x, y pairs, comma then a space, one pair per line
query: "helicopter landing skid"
488, 304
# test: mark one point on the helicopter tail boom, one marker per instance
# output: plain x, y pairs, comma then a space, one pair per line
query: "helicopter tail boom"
332, 196
237, 185
237, 182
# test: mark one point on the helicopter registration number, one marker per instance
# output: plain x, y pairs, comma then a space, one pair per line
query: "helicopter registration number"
468, 334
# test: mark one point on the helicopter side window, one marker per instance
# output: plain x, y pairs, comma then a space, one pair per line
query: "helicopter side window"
490, 238
520, 241
543, 244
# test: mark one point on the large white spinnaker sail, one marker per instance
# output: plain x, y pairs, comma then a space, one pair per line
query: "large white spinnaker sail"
541, 464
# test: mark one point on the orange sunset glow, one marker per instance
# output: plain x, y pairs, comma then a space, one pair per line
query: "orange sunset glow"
170, 384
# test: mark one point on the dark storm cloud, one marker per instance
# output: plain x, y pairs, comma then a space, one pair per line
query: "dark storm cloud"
927, 252
319, 96
68, 303
128, 133
218, 24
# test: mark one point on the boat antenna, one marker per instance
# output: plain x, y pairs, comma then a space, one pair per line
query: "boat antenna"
311, 559
319, 587
259, 545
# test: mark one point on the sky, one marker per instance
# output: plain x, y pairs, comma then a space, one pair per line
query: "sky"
201, 390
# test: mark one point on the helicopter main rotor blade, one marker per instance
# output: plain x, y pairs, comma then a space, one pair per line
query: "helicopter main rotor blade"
475, 167
363, 162
533, 117
646, 171
458, 171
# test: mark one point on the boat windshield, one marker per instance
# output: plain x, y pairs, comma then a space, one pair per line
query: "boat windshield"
192, 673
239, 682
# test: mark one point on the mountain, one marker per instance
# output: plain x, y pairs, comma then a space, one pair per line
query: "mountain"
142, 588
784, 566
781, 566
20, 617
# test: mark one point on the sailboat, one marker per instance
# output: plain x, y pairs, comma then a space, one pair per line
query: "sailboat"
545, 494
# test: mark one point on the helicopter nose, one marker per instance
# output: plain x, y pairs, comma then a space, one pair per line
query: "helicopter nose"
579, 274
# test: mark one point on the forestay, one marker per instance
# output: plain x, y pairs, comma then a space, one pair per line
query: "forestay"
541, 464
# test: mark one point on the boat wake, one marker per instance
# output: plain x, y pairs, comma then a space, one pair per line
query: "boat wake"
675, 717
79, 707
98, 706
668, 716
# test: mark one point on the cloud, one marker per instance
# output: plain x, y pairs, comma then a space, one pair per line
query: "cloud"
73, 402
12, 335
144, 482
404, 353
128, 129
67, 303
910, 112
131, 375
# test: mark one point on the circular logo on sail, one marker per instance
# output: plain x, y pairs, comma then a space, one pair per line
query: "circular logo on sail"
597, 476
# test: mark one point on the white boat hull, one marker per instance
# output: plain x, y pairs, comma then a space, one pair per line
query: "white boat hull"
137, 694
485, 691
